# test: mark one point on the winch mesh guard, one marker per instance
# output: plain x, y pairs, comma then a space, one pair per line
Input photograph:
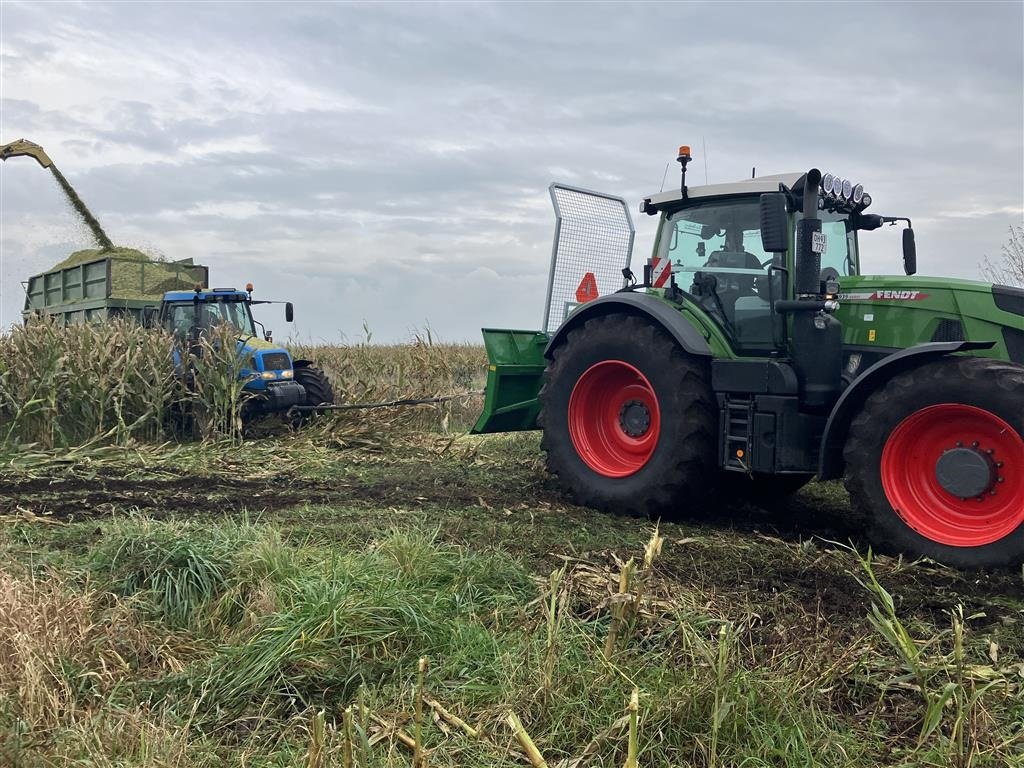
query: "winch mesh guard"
593, 234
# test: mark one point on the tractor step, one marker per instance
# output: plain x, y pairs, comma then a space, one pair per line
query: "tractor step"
736, 421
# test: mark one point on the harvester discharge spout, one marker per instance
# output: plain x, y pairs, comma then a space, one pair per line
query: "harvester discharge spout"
26, 148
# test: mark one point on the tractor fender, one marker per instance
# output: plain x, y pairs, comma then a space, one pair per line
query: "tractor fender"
301, 363
830, 463
640, 305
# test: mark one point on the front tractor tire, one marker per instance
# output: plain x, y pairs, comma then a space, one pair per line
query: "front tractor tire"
936, 460
629, 419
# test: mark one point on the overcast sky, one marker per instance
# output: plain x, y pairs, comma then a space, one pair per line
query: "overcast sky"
388, 163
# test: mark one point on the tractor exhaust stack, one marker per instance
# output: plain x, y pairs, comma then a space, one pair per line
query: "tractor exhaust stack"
817, 343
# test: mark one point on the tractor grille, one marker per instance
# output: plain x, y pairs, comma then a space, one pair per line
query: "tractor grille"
276, 361
949, 330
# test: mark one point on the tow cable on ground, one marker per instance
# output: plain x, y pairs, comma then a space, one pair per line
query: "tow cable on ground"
388, 404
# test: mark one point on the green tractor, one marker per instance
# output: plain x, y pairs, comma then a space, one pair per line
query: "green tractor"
753, 356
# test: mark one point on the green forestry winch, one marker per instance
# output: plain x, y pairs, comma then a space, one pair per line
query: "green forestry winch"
754, 355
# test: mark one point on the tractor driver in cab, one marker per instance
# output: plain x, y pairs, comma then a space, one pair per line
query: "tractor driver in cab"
732, 255
720, 243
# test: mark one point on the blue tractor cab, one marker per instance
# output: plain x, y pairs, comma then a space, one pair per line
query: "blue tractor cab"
275, 380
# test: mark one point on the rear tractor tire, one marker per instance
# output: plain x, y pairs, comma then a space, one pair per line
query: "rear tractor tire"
936, 460
318, 392
629, 419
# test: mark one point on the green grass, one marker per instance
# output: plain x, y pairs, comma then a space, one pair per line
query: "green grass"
210, 635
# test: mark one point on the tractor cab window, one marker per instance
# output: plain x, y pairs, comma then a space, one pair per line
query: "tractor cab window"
235, 313
716, 254
181, 318
840, 244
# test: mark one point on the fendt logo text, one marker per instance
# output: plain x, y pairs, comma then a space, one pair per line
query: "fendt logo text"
884, 296
900, 295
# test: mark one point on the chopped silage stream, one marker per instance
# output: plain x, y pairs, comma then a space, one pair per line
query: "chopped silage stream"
81, 209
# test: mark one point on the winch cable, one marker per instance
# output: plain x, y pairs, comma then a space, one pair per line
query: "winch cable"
389, 404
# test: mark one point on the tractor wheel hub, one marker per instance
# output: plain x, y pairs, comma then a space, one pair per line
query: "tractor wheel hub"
634, 418
965, 472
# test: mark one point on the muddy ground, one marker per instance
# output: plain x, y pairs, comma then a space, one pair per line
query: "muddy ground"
795, 560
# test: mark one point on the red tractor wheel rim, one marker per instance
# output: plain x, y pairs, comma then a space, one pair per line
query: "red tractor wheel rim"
614, 420
912, 460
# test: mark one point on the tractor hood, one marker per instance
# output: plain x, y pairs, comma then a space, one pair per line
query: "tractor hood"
898, 311
264, 360
253, 344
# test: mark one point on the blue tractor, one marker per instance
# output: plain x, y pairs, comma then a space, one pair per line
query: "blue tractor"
276, 381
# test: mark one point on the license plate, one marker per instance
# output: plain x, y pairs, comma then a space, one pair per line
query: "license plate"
818, 242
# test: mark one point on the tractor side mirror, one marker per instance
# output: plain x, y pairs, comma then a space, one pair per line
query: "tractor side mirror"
774, 223
289, 312
149, 317
909, 252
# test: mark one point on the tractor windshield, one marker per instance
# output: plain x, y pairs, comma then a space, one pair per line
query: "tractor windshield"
715, 248
182, 319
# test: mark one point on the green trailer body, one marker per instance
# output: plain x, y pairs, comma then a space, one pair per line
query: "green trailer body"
107, 287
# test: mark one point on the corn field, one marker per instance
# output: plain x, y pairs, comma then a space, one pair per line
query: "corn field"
117, 383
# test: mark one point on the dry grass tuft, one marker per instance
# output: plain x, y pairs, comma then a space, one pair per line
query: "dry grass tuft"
44, 630
59, 655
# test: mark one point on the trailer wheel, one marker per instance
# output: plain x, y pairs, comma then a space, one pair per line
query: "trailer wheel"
629, 419
936, 460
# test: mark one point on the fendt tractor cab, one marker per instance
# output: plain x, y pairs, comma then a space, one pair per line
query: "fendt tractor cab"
754, 355
275, 380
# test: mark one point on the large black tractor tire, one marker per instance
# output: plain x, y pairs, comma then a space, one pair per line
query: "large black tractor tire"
317, 385
935, 459
629, 419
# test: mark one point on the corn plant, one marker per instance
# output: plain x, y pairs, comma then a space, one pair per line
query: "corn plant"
217, 388
66, 386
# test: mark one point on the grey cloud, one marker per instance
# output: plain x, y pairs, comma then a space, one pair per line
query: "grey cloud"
390, 161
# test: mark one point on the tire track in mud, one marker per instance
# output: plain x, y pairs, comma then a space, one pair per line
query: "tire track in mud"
84, 498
